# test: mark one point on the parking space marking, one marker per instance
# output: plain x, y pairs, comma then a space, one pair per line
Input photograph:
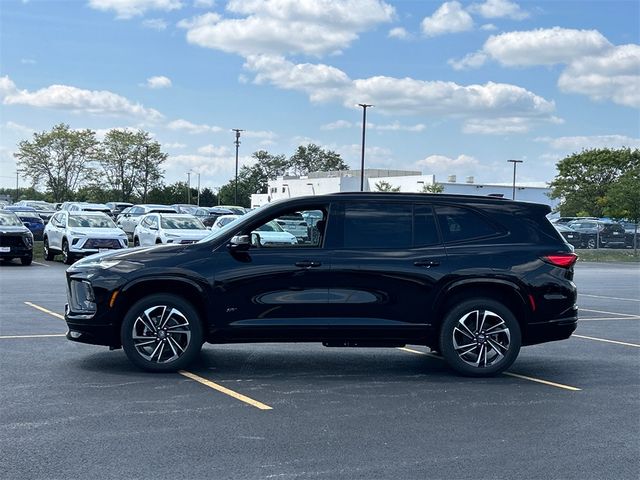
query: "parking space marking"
607, 341
44, 335
610, 298
42, 264
544, 382
509, 374
596, 319
42, 309
226, 391
608, 313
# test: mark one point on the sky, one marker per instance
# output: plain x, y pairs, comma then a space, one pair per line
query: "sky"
457, 87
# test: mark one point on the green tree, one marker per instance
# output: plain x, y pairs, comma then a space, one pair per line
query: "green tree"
312, 158
384, 186
432, 188
130, 163
584, 179
61, 159
208, 198
623, 200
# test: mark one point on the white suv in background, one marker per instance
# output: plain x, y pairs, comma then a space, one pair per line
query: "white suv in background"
76, 234
129, 220
155, 228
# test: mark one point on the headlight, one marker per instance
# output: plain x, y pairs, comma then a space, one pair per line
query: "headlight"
28, 240
171, 235
81, 298
77, 234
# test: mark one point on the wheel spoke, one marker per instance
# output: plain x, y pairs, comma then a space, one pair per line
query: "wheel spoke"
497, 347
144, 344
479, 356
166, 316
148, 322
178, 326
488, 331
496, 332
468, 351
154, 351
175, 353
461, 322
484, 317
464, 333
172, 342
161, 350
460, 347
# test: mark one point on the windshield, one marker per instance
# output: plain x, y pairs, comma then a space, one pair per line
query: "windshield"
181, 223
271, 226
91, 221
221, 232
9, 220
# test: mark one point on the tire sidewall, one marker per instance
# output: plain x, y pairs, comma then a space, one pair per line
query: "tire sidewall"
195, 326
48, 254
67, 258
451, 320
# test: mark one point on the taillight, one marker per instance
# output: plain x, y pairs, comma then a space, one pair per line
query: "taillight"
564, 260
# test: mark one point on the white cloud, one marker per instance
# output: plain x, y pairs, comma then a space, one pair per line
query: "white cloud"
158, 82
213, 150
261, 134
27, 61
395, 126
487, 27
65, 97
400, 96
578, 143
544, 46
337, 125
276, 27
499, 9
203, 3
192, 127
443, 163
16, 127
449, 18
399, 33
613, 75
506, 125
155, 24
471, 60
126, 9
175, 145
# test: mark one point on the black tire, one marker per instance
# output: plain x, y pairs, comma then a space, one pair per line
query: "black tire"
158, 241
591, 243
506, 340
136, 242
49, 255
67, 257
26, 260
150, 354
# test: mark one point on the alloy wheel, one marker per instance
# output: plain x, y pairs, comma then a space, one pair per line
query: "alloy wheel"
161, 334
481, 338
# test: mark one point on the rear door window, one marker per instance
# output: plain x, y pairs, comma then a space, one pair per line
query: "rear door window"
459, 224
378, 225
425, 232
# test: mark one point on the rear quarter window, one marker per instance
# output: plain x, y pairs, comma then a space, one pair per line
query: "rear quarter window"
459, 224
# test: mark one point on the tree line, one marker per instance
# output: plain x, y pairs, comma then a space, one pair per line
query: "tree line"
127, 166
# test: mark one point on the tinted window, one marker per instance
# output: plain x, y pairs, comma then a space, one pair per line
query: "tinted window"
424, 225
457, 224
377, 226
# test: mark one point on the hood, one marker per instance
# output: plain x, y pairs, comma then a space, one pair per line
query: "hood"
182, 232
98, 232
14, 229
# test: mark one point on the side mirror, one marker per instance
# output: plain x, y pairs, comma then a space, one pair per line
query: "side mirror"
255, 240
239, 243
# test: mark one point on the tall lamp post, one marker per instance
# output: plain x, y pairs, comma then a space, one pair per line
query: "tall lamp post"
364, 127
189, 188
515, 164
237, 142
198, 189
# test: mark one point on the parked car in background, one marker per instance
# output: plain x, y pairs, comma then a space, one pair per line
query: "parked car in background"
30, 218
566, 220
117, 207
179, 228
16, 241
463, 275
185, 208
128, 220
89, 207
223, 220
608, 234
271, 234
572, 236
234, 209
76, 234
296, 225
44, 209
630, 230
208, 216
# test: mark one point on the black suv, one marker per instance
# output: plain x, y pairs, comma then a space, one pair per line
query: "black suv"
471, 277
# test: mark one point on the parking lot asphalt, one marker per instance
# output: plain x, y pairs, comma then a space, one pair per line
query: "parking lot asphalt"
566, 409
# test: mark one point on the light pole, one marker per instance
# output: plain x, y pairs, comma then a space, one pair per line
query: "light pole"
364, 126
198, 189
515, 164
237, 142
17, 188
189, 188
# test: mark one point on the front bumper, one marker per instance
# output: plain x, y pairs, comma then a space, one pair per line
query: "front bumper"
17, 252
85, 330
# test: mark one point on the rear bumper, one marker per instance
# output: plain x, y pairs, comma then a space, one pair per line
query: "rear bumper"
558, 329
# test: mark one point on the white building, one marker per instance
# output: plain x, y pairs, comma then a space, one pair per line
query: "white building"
320, 183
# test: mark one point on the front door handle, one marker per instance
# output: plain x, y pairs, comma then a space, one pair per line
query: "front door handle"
426, 263
308, 264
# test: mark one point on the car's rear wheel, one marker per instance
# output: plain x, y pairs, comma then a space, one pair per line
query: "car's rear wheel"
480, 337
162, 333
591, 243
67, 257
26, 260
136, 242
48, 254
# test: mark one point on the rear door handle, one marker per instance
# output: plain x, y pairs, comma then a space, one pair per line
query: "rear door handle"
426, 263
308, 264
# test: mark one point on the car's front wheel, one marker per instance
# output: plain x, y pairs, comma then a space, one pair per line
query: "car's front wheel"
480, 337
67, 256
26, 260
49, 255
162, 333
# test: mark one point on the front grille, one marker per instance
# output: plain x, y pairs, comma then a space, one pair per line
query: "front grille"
185, 242
11, 241
102, 243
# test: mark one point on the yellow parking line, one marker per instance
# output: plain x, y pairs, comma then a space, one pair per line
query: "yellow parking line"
516, 375
7, 337
607, 341
226, 391
42, 309
545, 382
608, 313
610, 298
